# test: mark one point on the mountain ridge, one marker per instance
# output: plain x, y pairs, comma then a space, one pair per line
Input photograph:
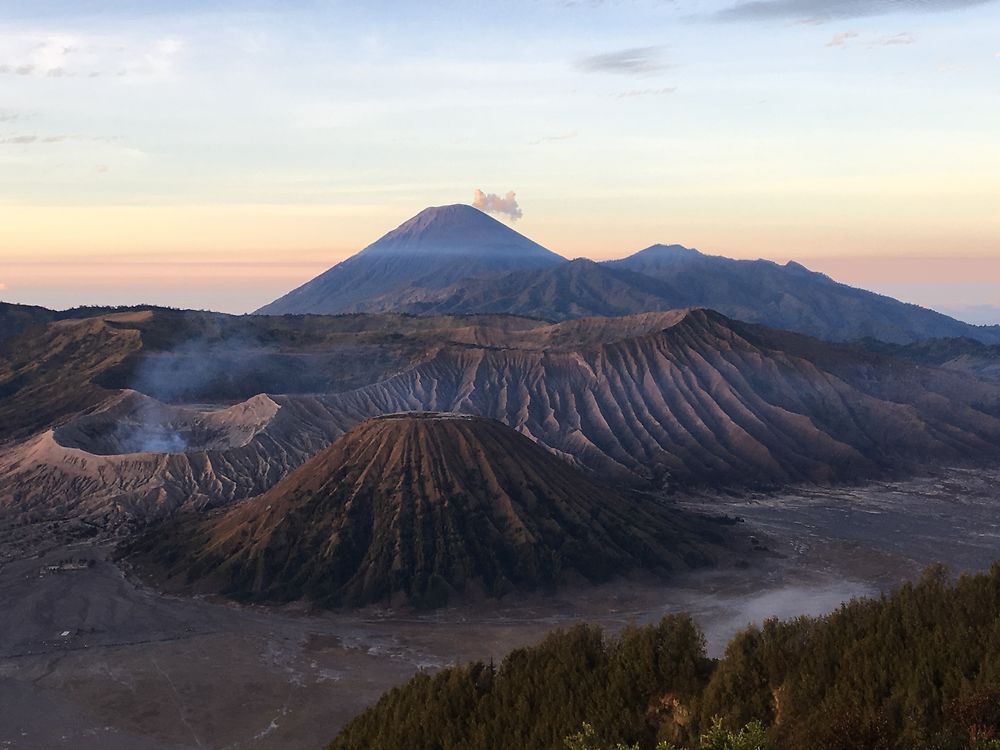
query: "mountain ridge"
457, 260
661, 400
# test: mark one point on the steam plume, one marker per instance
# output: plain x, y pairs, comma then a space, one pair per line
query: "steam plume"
493, 203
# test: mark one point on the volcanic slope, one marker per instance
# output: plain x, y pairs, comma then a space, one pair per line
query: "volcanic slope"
416, 507
437, 247
791, 297
575, 289
49, 374
664, 399
705, 399
665, 277
54, 371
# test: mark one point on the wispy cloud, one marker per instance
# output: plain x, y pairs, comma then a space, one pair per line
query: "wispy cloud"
646, 92
843, 39
894, 39
840, 39
553, 138
24, 140
17, 70
495, 204
816, 11
632, 61
31, 139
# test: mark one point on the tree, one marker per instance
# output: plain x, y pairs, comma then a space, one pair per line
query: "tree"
586, 739
752, 736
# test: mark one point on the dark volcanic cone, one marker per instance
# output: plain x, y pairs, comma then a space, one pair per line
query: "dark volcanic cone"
414, 507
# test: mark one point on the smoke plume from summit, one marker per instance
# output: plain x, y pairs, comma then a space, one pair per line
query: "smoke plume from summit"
495, 204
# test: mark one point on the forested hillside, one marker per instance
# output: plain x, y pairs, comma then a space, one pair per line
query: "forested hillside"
917, 669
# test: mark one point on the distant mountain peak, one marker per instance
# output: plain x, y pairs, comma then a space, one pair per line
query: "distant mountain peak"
439, 246
794, 265
438, 217
449, 212
678, 251
456, 229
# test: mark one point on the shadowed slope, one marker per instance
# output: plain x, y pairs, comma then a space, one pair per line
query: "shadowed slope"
578, 288
50, 375
961, 355
709, 400
16, 318
416, 506
663, 277
790, 297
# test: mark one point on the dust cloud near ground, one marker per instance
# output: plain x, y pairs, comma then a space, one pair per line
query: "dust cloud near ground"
91, 659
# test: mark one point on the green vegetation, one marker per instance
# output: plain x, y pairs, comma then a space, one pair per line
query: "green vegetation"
915, 670
587, 739
751, 737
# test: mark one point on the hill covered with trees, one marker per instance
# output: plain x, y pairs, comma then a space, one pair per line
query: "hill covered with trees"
917, 669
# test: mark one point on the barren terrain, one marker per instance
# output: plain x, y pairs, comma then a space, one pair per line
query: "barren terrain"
89, 659
679, 399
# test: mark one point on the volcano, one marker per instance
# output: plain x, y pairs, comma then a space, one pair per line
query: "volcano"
418, 507
437, 247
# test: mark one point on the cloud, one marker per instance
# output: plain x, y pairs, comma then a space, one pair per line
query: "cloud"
894, 39
2, 286
17, 70
633, 61
84, 56
841, 38
18, 140
23, 140
553, 138
817, 11
646, 92
494, 204
27, 140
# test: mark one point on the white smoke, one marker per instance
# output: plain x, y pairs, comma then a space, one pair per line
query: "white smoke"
149, 430
494, 204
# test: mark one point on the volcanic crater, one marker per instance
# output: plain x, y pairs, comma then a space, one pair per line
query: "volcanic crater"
136, 423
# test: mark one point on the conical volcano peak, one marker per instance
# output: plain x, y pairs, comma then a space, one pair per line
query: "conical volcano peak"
457, 229
439, 246
450, 214
414, 507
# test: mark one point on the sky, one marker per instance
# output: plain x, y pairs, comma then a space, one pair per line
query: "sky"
215, 154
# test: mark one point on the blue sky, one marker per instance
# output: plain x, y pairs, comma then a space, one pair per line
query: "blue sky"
159, 151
